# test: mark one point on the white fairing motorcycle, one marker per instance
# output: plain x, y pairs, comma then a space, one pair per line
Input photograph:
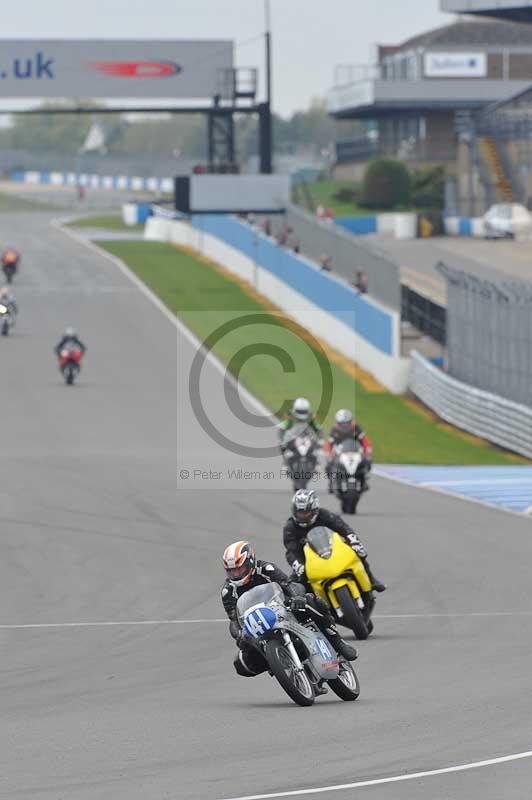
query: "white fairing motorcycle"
299, 448
349, 468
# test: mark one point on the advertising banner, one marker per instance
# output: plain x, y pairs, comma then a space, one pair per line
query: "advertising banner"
456, 65
106, 68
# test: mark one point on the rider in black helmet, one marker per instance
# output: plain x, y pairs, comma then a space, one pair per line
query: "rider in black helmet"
307, 514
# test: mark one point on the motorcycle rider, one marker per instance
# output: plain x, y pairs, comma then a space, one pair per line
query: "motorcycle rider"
7, 298
244, 572
70, 337
10, 257
345, 427
307, 514
300, 413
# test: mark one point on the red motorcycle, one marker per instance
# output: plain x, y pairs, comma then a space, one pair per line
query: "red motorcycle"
10, 262
70, 363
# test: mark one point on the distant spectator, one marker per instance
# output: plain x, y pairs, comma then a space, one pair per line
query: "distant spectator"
360, 282
267, 227
320, 211
282, 237
326, 265
296, 245
80, 191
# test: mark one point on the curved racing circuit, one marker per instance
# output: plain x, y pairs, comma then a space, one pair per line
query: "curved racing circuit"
133, 694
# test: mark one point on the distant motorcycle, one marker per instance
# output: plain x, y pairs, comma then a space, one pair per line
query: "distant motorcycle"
349, 467
10, 262
70, 362
7, 319
299, 448
298, 655
338, 576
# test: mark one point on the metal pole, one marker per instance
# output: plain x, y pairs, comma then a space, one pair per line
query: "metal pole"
265, 112
268, 36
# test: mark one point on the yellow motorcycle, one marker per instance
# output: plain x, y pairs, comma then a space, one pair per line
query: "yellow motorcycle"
337, 575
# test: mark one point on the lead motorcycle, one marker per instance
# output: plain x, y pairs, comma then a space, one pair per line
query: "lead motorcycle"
298, 655
349, 468
299, 448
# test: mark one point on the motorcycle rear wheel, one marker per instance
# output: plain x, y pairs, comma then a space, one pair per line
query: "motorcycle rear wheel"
346, 686
352, 617
296, 684
350, 503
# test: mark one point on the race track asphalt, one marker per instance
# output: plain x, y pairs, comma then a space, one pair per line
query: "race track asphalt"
97, 528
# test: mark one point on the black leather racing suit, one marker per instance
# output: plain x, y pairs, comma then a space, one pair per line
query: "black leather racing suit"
248, 661
294, 538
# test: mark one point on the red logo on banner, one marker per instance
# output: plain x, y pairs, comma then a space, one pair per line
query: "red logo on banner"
137, 69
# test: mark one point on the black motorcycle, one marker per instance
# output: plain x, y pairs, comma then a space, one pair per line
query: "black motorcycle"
349, 469
299, 448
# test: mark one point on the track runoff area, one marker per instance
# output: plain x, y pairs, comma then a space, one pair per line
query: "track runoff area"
117, 679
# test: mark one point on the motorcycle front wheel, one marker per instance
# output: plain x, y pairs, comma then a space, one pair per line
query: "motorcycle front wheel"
346, 685
296, 684
352, 617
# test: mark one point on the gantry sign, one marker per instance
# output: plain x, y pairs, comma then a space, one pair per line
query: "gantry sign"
111, 69
148, 70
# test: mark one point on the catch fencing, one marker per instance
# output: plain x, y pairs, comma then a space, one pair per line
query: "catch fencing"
484, 414
348, 255
489, 334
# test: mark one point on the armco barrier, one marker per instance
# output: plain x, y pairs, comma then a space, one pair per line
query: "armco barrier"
484, 414
353, 324
93, 181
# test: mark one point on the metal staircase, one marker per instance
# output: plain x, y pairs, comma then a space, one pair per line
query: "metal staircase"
500, 180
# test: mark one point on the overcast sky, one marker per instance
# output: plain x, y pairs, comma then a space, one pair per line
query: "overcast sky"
310, 36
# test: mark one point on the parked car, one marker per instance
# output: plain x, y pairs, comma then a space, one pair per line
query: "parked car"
507, 220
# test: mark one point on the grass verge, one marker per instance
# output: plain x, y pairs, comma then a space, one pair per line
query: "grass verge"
205, 297
111, 223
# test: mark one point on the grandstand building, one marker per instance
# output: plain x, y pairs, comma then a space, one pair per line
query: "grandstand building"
421, 95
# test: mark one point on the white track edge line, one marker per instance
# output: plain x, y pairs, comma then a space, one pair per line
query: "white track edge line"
143, 622
392, 779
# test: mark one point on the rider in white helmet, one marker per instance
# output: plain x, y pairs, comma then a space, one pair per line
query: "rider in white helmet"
300, 412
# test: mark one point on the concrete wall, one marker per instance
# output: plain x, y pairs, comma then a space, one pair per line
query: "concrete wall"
359, 328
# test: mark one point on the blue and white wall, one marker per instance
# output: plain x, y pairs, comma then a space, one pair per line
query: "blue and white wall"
121, 182
355, 325
464, 226
402, 225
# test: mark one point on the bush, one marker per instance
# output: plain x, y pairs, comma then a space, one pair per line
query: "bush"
387, 184
428, 187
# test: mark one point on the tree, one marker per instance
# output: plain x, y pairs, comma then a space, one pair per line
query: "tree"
387, 184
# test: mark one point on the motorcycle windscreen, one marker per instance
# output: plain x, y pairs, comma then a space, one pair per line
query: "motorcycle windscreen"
321, 541
270, 594
349, 446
